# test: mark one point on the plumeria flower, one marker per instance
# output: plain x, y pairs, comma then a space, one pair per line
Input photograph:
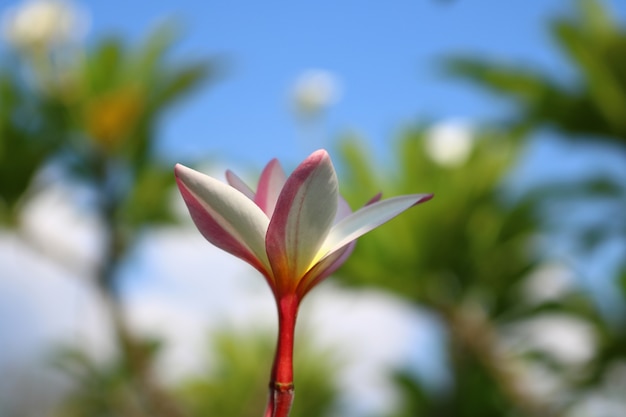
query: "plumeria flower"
295, 230
314, 91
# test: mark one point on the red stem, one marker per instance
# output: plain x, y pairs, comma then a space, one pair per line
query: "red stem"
281, 381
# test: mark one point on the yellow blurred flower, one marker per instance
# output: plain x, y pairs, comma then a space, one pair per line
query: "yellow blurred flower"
111, 117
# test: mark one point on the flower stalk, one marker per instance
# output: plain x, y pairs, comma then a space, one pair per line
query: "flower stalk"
281, 387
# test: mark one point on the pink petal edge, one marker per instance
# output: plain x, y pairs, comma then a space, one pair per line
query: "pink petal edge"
271, 183
234, 181
225, 217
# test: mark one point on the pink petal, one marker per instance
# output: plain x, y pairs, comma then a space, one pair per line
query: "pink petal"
343, 209
225, 217
374, 199
236, 182
271, 183
304, 214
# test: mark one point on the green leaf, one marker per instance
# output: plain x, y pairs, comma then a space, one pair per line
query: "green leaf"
605, 89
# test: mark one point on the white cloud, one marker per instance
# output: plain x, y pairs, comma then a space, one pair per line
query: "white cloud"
42, 307
374, 332
65, 232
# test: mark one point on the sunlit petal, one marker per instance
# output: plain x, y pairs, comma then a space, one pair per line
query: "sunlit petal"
329, 264
304, 213
225, 216
368, 218
324, 269
271, 182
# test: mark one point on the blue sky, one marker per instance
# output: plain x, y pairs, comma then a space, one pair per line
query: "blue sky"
385, 55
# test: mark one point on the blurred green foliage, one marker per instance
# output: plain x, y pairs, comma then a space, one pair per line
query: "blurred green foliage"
242, 365
469, 256
105, 389
234, 382
474, 238
32, 128
588, 107
96, 116
465, 255
118, 98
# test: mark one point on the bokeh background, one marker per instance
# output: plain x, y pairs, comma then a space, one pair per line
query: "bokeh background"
503, 296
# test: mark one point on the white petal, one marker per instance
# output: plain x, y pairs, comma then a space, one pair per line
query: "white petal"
304, 214
225, 216
366, 219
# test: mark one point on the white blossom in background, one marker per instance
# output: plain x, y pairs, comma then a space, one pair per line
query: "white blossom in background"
564, 339
568, 340
449, 143
607, 399
548, 282
36, 24
314, 91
